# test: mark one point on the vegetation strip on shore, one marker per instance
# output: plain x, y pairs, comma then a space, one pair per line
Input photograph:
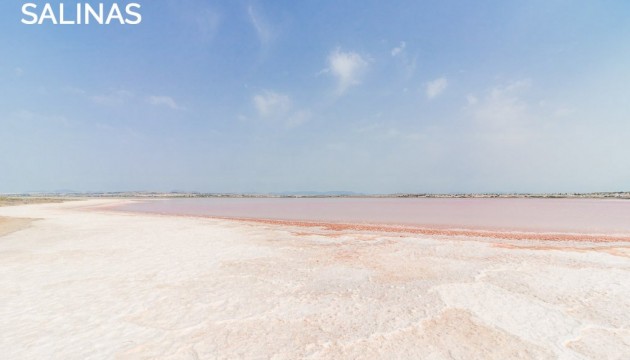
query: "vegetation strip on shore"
26, 200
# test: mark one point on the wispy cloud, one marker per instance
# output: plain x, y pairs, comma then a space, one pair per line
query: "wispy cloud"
399, 49
122, 97
471, 99
401, 55
347, 67
263, 29
164, 101
117, 97
270, 103
207, 22
39, 118
278, 107
200, 20
298, 118
18, 71
73, 90
436, 87
501, 106
381, 130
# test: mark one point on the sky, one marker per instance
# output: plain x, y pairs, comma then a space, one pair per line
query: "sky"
365, 96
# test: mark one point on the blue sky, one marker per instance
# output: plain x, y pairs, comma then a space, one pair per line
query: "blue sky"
365, 96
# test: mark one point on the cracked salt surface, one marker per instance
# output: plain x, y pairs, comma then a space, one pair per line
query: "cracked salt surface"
84, 283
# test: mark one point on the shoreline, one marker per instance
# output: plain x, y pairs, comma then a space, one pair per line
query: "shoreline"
442, 232
405, 230
498, 231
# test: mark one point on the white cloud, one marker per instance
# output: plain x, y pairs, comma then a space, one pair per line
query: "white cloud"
164, 101
263, 29
407, 63
398, 50
298, 118
502, 106
512, 87
122, 97
278, 108
436, 87
272, 104
347, 67
18, 71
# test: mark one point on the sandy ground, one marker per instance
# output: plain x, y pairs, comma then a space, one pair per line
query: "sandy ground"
85, 283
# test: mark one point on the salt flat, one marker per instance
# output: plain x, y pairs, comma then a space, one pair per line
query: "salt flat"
83, 282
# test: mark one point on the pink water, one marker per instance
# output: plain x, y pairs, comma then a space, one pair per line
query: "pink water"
585, 216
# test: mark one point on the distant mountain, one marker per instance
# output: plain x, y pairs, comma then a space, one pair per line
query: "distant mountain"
66, 191
317, 193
